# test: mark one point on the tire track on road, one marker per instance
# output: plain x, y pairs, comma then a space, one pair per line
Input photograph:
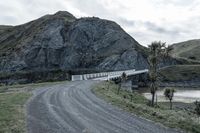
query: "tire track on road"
72, 108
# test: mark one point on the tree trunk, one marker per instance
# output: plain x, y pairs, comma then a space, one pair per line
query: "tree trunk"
108, 85
170, 104
156, 99
131, 97
119, 88
152, 101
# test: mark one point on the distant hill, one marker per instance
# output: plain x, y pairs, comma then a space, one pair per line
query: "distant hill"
181, 73
188, 49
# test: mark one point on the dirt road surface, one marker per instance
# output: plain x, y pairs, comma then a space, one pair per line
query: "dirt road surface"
72, 108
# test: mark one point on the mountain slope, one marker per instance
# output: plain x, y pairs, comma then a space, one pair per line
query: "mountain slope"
188, 49
177, 73
61, 41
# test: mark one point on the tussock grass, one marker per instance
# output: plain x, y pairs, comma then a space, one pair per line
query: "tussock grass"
180, 119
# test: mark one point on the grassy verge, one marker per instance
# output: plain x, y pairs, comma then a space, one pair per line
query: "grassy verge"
12, 101
181, 119
12, 118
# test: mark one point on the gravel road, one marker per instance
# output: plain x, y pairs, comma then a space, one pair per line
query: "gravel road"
72, 108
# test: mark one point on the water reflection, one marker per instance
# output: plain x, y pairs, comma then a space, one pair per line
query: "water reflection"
186, 96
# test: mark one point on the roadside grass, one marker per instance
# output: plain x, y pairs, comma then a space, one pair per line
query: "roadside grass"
12, 106
25, 87
176, 118
12, 118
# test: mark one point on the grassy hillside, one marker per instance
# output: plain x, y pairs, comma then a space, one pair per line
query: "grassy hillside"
189, 50
180, 72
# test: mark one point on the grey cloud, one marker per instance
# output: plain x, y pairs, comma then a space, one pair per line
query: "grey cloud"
21, 11
144, 38
7, 20
126, 22
90, 7
158, 29
176, 2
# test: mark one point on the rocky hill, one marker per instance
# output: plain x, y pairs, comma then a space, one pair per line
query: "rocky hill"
61, 44
61, 41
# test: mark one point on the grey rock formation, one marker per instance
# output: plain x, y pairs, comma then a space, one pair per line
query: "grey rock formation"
61, 41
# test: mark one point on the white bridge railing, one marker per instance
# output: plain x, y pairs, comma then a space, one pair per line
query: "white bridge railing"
107, 75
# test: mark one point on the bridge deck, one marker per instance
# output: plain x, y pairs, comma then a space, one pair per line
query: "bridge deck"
107, 75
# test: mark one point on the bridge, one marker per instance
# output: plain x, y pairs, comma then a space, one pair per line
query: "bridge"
107, 75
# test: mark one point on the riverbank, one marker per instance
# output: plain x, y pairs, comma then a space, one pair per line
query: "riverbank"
181, 119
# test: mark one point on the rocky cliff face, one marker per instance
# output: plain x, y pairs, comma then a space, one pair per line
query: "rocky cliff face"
61, 41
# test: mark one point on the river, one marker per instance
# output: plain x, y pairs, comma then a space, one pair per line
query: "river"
185, 96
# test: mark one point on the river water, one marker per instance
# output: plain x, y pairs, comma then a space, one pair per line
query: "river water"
185, 96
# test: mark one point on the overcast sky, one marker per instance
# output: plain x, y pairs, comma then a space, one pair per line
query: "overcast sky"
145, 20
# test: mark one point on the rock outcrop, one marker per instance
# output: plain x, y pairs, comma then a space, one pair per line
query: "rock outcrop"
61, 41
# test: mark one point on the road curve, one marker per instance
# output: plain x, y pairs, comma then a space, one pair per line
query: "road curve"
72, 108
